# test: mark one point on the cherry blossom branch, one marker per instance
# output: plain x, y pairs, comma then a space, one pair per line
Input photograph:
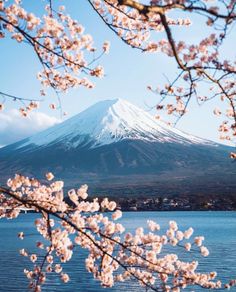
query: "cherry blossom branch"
32, 103
14, 97
29, 204
145, 9
111, 258
59, 42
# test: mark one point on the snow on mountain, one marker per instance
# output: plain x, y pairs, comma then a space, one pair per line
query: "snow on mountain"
114, 138
111, 121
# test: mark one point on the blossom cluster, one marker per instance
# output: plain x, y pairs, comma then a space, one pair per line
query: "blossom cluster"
133, 27
113, 254
64, 50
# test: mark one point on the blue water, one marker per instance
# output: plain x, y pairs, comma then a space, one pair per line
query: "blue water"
219, 229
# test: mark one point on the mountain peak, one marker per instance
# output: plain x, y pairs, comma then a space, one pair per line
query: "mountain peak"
107, 122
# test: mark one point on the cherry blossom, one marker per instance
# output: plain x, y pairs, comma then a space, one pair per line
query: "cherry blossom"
113, 255
60, 43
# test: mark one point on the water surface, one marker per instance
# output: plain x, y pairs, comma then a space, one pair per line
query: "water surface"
219, 229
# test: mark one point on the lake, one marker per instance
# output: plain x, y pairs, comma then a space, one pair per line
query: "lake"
219, 229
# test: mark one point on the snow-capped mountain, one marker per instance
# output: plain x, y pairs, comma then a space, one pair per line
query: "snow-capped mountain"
113, 137
108, 122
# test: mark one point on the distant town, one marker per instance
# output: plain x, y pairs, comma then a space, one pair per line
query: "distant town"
181, 203
199, 194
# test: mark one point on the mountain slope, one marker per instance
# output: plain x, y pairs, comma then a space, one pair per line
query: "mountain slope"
108, 122
114, 137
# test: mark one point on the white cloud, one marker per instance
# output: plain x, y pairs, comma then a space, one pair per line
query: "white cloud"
14, 127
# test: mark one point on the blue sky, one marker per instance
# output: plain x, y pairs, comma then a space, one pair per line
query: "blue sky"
128, 72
